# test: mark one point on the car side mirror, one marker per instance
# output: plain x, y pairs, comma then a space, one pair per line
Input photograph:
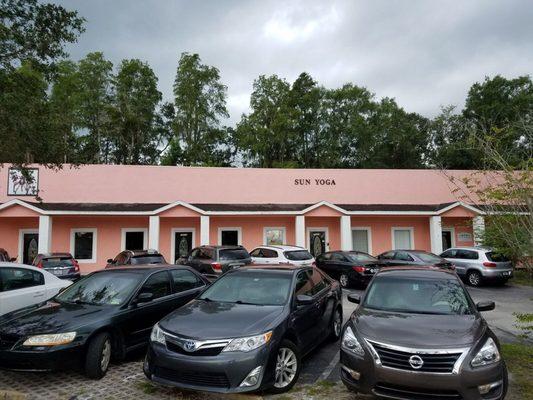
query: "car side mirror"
354, 298
110, 261
303, 299
144, 297
485, 306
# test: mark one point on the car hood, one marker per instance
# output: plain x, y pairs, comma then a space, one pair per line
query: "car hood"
216, 320
49, 317
419, 330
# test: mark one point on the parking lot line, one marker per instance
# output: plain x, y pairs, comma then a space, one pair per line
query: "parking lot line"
330, 367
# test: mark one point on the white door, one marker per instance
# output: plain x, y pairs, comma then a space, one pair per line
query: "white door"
21, 287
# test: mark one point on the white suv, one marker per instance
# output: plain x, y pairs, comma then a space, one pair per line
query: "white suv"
294, 255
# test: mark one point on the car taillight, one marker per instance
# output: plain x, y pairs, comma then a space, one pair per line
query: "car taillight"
359, 268
216, 266
76, 265
489, 264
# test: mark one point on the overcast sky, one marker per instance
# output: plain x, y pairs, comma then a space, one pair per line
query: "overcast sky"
423, 53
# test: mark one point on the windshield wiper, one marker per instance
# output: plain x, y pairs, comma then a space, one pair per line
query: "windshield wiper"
206, 299
245, 302
79, 301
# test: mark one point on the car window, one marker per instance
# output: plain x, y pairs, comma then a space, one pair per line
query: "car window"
496, 257
158, 284
338, 257
304, 284
148, 259
195, 253
257, 253
467, 255
233, 254
19, 278
55, 262
319, 282
403, 256
387, 256
298, 255
449, 254
361, 257
429, 257
324, 257
184, 280
206, 254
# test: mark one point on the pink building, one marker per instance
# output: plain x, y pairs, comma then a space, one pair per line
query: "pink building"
96, 211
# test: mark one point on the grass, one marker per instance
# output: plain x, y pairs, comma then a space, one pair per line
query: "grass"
147, 387
521, 277
519, 360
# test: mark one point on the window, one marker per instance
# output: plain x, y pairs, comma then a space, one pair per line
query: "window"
298, 255
134, 238
233, 254
319, 282
402, 238
229, 236
304, 285
274, 236
449, 254
361, 240
83, 244
496, 257
403, 256
338, 257
264, 253
158, 284
389, 255
467, 255
184, 280
19, 278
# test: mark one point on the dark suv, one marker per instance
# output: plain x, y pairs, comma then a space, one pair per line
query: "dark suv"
136, 257
417, 334
216, 259
62, 265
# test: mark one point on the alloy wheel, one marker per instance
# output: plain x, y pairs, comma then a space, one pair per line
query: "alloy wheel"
343, 280
474, 279
337, 323
106, 355
286, 367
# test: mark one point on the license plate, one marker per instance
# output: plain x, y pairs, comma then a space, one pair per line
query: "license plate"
59, 272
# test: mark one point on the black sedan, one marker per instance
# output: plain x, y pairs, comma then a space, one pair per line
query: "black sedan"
349, 267
398, 258
100, 317
248, 331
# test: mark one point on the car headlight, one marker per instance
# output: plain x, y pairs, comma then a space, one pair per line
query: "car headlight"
157, 335
488, 354
248, 343
350, 343
53, 339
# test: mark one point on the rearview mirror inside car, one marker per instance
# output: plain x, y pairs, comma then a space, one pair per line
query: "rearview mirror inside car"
144, 297
303, 299
354, 298
485, 306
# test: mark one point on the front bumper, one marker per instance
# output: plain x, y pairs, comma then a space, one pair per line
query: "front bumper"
222, 373
400, 384
41, 360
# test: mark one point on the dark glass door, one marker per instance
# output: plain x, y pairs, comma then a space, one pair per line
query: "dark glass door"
446, 240
182, 244
30, 247
317, 240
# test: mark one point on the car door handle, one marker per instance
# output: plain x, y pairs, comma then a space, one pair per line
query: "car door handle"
38, 294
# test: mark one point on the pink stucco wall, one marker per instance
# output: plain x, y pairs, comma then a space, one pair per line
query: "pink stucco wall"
460, 225
9, 232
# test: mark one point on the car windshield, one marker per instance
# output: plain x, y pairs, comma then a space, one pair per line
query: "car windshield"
418, 296
298, 255
496, 257
361, 257
428, 257
57, 262
102, 288
250, 287
148, 259
233, 254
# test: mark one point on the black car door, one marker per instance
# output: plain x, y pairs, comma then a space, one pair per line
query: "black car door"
340, 265
324, 301
305, 317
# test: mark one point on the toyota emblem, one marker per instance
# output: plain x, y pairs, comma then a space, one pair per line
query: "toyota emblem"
189, 345
416, 362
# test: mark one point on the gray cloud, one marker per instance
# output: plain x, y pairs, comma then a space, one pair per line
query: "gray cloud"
423, 53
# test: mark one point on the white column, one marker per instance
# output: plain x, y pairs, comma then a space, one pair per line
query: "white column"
45, 234
346, 233
478, 224
204, 230
153, 232
299, 230
435, 234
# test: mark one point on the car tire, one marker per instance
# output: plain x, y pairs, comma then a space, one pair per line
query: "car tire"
287, 353
344, 281
473, 278
98, 356
336, 325
505, 382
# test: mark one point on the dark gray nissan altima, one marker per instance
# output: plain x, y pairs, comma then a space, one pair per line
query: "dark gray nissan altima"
417, 334
247, 331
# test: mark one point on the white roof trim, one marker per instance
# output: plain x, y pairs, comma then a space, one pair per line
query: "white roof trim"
178, 203
21, 203
460, 204
320, 204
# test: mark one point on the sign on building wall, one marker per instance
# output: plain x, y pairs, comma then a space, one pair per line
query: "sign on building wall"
20, 185
464, 237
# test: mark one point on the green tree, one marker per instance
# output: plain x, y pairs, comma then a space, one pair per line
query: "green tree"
135, 132
200, 103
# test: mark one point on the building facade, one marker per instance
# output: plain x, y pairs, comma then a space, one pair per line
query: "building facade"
96, 211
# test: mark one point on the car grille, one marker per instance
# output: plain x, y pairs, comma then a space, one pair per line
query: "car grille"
433, 362
410, 393
207, 379
7, 342
207, 352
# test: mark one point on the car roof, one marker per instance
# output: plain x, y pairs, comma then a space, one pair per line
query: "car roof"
15, 265
283, 247
218, 247
273, 267
145, 268
418, 271
472, 248
147, 252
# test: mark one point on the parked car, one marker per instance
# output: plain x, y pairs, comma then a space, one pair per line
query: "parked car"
23, 285
100, 317
293, 255
62, 265
417, 334
479, 264
4, 256
248, 331
349, 267
216, 259
136, 257
397, 258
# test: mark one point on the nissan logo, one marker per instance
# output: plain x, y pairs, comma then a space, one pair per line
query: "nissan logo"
416, 362
189, 345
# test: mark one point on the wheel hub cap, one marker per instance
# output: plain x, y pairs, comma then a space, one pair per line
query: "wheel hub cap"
286, 367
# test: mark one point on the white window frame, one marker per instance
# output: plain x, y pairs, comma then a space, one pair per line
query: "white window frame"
20, 258
95, 243
123, 232
173, 232
368, 236
403, 228
316, 229
230, 228
280, 228
452, 231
